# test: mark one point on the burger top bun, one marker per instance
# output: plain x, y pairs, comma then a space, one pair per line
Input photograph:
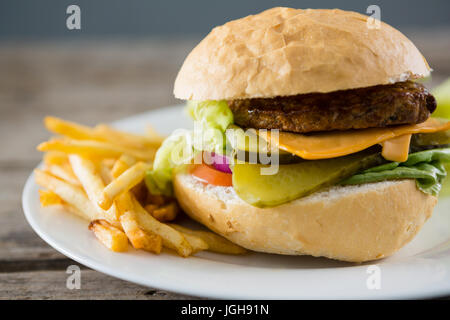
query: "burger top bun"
349, 223
284, 51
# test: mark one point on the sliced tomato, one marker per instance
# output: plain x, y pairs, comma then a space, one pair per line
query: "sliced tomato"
210, 175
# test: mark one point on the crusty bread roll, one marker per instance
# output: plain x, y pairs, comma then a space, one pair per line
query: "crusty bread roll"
351, 223
283, 51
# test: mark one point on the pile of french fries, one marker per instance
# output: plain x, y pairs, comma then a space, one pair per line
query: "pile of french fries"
98, 174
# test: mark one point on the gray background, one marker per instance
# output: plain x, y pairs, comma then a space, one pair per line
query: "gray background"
45, 19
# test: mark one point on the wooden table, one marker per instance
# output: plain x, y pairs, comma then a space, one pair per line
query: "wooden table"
88, 82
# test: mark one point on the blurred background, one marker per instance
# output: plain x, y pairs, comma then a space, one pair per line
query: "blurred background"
45, 19
123, 61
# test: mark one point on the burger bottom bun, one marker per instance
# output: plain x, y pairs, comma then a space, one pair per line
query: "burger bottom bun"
348, 223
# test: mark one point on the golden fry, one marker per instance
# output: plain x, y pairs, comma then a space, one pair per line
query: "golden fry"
55, 158
105, 173
69, 129
98, 174
215, 242
92, 182
94, 149
171, 237
197, 243
122, 164
72, 195
64, 172
101, 132
166, 213
113, 238
139, 238
49, 198
109, 163
127, 180
125, 138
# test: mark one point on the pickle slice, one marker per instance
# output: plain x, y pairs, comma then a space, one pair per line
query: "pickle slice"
431, 139
294, 181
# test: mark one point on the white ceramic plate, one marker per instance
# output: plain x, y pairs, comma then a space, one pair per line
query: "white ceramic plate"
419, 270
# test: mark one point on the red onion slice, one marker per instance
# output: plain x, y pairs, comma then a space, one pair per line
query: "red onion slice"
220, 162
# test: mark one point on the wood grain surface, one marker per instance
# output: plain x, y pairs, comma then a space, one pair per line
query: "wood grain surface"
88, 82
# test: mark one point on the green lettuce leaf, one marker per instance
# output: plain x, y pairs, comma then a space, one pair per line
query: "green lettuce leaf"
426, 167
442, 95
176, 149
211, 119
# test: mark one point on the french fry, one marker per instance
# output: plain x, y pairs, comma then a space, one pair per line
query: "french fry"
93, 185
105, 173
49, 198
109, 163
127, 180
171, 238
215, 242
113, 238
123, 163
125, 138
70, 194
94, 149
166, 213
98, 173
55, 158
139, 238
69, 129
197, 243
64, 172
101, 132
125, 201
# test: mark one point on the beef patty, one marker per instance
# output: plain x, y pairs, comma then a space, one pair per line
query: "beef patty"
378, 106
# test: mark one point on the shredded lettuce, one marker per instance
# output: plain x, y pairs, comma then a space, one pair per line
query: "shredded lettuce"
426, 167
175, 150
211, 114
211, 119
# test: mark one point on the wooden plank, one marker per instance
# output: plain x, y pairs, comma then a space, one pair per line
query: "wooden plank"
93, 285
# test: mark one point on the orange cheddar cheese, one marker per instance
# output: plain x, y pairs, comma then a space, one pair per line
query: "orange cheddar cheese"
396, 149
334, 144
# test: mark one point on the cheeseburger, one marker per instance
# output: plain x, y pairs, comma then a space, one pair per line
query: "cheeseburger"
354, 161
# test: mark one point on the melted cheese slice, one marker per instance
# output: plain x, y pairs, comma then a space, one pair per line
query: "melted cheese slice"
396, 149
340, 143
